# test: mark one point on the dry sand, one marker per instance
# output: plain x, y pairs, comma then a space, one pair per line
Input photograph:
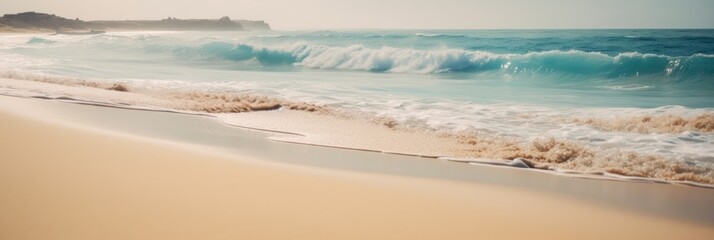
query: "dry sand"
59, 181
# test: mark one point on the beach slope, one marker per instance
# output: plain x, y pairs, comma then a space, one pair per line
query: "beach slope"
59, 181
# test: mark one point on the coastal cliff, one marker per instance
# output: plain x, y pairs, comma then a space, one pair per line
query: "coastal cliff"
43, 22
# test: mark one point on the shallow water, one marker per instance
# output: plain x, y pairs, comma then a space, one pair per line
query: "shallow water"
523, 84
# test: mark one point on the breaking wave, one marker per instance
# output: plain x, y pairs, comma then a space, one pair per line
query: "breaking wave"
407, 60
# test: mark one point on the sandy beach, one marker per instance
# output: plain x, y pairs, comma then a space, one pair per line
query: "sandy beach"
289, 120
65, 181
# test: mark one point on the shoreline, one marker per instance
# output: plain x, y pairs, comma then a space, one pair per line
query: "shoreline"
151, 187
316, 125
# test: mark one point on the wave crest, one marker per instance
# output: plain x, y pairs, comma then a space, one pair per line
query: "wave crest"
407, 60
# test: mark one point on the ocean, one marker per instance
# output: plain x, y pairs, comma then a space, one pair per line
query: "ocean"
601, 88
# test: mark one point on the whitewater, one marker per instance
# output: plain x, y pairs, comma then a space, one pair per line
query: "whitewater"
619, 89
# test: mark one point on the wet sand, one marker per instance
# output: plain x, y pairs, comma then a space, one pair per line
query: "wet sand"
64, 180
325, 126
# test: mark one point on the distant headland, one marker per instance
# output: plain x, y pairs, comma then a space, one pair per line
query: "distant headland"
43, 22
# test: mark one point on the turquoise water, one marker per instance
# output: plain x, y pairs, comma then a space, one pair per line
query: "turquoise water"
482, 80
625, 68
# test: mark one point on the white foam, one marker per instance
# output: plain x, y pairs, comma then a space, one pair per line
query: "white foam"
508, 120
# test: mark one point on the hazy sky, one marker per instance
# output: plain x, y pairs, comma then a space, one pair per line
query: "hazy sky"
320, 14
